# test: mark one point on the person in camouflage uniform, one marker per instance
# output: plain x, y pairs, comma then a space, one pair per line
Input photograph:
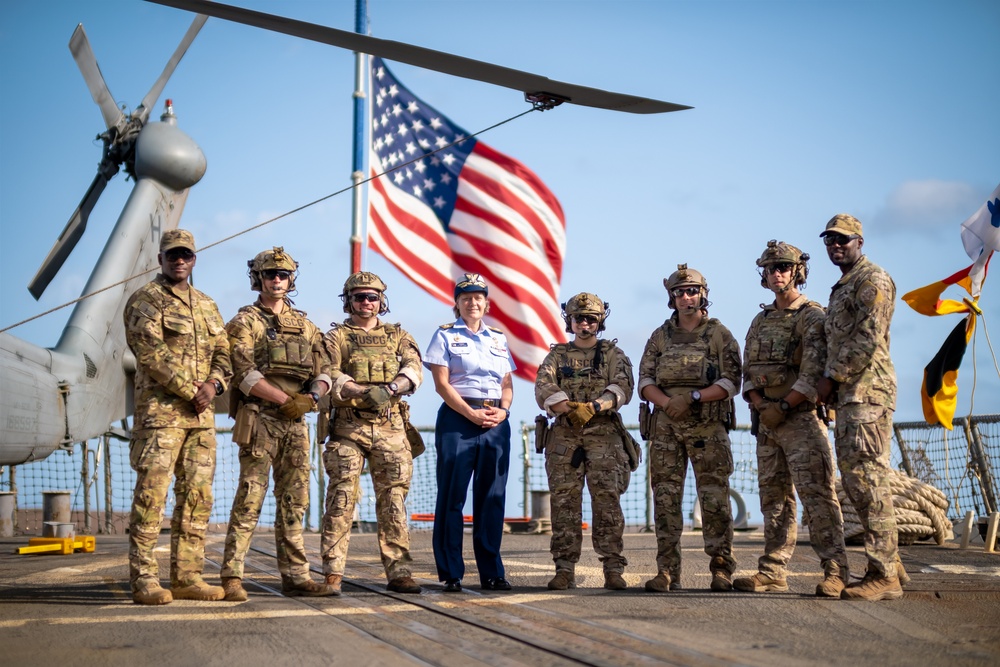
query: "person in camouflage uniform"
690, 371
860, 382
280, 371
783, 360
182, 363
372, 364
583, 384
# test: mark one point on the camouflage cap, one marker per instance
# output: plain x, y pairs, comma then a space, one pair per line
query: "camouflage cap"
177, 238
843, 224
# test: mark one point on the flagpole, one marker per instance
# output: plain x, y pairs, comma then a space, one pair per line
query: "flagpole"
357, 171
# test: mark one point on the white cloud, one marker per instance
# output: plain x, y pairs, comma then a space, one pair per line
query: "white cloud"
928, 205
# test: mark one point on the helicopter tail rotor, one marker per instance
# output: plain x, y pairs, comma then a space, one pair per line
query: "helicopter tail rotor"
119, 143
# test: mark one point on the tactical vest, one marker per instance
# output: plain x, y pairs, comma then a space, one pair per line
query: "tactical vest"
583, 374
773, 357
693, 360
371, 357
286, 350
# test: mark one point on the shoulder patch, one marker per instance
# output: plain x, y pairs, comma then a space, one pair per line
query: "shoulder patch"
447, 326
147, 309
868, 293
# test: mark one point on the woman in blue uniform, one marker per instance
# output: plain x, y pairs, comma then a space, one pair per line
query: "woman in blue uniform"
471, 367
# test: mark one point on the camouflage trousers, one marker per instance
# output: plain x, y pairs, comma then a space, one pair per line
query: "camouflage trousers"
157, 455
796, 457
383, 444
604, 468
863, 437
707, 446
283, 445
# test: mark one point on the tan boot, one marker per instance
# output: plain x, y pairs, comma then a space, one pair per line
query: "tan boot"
233, 586
403, 585
659, 584
150, 592
831, 586
760, 583
614, 581
307, 588
872, 588
901, 574
199, 590
564, 579
335, 581
722, 581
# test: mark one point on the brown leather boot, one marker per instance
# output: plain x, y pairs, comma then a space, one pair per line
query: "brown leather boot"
564, 579
614, 581
831, 586
233, 586
148, 591
198, 590
335, 581
760, 583
403, 585
659, 584
872, 588
722, 581
307, 588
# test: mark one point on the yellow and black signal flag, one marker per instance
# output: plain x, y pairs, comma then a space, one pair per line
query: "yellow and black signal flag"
939, 392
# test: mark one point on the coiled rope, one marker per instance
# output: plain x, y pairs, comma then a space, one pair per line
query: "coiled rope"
920, 509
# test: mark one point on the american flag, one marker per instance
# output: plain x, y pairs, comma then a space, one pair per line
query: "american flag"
464, 209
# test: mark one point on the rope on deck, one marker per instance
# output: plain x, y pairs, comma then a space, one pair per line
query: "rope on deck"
920, 509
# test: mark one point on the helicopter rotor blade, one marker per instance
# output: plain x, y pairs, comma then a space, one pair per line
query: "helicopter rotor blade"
532, 85
79, 46
142, 112
68, 239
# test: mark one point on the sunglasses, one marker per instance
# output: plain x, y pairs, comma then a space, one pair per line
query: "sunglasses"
271, 274
689, 291
367, 296
175, 254
839, 239
586, 319
783, 267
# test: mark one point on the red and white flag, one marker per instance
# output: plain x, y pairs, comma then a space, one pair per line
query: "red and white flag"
465, 209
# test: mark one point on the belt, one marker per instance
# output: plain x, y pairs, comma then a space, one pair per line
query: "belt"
482, 402
367, 415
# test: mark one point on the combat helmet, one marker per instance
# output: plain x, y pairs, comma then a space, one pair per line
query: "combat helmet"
685, 277
275, 258
369, 280
779, 252
585, 303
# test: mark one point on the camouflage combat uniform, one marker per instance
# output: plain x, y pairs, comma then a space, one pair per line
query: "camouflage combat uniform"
857, 336
786, 350
178, 338
584, 375
287, 350
678, 362
368, 358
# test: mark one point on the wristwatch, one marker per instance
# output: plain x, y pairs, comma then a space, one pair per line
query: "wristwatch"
695, 396
596, 405
784, 405
218, 387
315, 397
394, 388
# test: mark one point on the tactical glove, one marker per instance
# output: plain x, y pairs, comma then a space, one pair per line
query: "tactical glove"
771, 414
296, 406
679, 406
378, 397
581, 414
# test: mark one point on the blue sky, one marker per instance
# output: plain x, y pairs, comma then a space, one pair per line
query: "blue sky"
886, 110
